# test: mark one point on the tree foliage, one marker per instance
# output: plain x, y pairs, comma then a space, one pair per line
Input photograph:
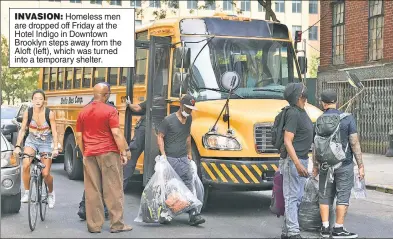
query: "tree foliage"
313, 66
16, 83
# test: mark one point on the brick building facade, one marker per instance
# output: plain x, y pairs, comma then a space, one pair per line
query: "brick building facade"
357, 37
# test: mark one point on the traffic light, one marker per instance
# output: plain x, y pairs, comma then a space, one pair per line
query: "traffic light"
298, 36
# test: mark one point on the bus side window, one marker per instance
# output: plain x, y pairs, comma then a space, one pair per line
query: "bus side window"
45, 82
175, 86
99, 75
140, 67
53, 78
123, 76
68, 78
113, 73
86, 83
78, 78
60, 79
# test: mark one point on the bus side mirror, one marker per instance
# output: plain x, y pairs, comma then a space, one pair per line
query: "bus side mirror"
185, 54
177, 84
302, 64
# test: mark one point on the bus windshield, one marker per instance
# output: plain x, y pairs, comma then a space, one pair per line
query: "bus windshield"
265, 67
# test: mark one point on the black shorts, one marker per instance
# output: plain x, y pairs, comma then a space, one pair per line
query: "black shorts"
341, 187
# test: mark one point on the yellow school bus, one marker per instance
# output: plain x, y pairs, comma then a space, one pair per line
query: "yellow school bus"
194, 55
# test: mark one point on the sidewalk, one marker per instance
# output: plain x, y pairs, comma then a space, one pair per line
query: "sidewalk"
379, 172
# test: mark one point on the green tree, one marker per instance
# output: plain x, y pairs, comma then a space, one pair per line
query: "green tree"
313, 66
16, 83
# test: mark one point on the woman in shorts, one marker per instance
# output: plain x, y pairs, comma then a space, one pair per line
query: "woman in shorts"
41, 136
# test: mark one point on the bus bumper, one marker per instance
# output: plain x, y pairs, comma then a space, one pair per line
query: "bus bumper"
239, 175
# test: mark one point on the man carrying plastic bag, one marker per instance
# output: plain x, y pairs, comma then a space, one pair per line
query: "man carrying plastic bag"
166, 196
174, 141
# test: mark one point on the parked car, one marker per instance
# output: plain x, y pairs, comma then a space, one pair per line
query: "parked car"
10, 178
8, 128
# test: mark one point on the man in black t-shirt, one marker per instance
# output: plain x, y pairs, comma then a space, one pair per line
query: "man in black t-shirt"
174, 141
298, 138
137, 144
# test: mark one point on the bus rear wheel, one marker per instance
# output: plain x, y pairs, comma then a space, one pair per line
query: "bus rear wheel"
73, 166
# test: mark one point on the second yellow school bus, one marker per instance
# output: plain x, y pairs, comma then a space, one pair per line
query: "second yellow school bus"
261, 54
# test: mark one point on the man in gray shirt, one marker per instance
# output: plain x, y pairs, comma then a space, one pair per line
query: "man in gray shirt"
174, 141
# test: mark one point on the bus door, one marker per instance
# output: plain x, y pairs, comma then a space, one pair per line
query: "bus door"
156, 96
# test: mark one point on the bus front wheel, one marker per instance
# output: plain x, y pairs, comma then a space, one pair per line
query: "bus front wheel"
73, 165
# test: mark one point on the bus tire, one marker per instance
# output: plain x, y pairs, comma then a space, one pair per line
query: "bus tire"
73, 166
207, 189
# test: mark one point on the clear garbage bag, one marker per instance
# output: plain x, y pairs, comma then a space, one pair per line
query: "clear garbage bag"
359, 186
198, 189
309, 213
165, 195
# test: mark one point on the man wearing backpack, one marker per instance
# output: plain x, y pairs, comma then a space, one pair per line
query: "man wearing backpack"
297, 141
335, 164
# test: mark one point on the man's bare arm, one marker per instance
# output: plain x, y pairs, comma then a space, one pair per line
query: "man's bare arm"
121, 142
79, 141
357, 151
160, 141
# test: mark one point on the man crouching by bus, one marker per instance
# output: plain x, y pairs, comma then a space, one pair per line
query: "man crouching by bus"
174, 141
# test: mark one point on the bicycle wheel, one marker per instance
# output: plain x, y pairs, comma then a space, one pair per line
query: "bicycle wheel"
33, 202
43, 199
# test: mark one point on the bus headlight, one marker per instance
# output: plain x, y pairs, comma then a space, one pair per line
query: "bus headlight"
220, 142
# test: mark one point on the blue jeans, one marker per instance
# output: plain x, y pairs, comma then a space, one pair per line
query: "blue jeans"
293, 188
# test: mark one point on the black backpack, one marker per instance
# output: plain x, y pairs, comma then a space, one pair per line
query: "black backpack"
277, 129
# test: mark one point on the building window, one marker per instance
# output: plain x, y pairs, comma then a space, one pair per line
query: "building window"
75, 1
155, 3
296, 6
261, 8
294, 29
116, 2
313, 7
173, 3
136, 3
375, 30
138, 22
245, 6
280, 6
210, 5
313, 33
338, 33
192, 4
227, 5
96, 1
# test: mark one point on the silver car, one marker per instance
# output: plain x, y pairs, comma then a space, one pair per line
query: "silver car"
10, 178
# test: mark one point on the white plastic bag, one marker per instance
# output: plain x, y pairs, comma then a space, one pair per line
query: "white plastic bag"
165, 195
198, 189
359, 186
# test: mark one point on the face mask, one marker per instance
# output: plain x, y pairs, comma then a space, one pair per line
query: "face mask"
185, 114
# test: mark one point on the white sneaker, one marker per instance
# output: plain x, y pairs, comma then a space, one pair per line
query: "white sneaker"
51, 199
25, 197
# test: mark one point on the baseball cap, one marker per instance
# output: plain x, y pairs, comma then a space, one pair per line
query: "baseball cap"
189, 102
329, 96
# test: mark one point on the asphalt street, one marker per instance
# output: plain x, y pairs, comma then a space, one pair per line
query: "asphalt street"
230, 215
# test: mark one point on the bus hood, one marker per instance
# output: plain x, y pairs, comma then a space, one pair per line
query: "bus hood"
249, 110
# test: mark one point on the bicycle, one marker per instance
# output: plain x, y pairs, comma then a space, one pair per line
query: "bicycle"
37, 186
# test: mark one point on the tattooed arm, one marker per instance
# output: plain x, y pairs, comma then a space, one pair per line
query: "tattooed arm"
355, 146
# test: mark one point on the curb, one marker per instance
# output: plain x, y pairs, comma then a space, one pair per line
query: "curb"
383, 189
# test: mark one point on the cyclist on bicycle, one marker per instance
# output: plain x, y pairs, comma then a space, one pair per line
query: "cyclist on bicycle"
41, 135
